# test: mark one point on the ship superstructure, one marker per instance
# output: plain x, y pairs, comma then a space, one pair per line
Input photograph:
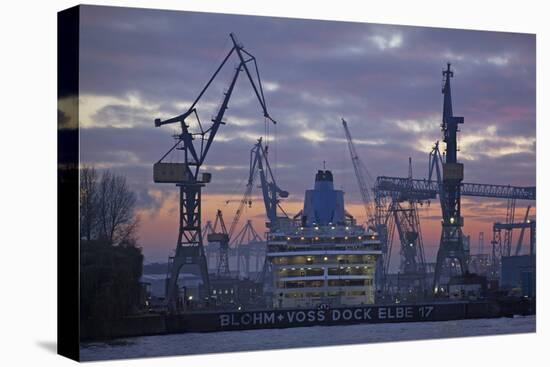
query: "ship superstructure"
326, 258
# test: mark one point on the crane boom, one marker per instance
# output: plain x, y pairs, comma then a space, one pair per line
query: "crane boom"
360, 173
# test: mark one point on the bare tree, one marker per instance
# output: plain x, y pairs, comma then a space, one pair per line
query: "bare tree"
88, 201
117, 220
107, 207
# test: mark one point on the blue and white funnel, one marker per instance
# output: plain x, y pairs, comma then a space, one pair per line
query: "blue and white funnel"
323, 205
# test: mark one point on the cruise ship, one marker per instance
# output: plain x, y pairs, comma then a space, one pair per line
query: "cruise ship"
324, 258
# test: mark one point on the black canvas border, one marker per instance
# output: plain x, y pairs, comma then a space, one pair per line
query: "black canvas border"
68, 323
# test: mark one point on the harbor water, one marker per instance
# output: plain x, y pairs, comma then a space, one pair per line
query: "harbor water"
315, 336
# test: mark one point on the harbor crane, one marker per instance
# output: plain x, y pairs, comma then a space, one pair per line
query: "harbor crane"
404, 218
271, 192
222, 237
246, 235
398, 211
248, 242
500, 250
502, 246
423, 190
412, 272
426, 189
449, 187
522, 232
528, 224
190, 249
451, 245
361, 174
259, 166
373, 219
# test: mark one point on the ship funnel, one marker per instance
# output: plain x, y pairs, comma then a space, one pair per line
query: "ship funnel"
323, 205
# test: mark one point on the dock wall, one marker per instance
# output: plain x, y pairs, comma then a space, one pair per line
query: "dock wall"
284, 318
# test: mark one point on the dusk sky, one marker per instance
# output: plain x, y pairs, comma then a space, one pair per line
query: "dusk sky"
137, 65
